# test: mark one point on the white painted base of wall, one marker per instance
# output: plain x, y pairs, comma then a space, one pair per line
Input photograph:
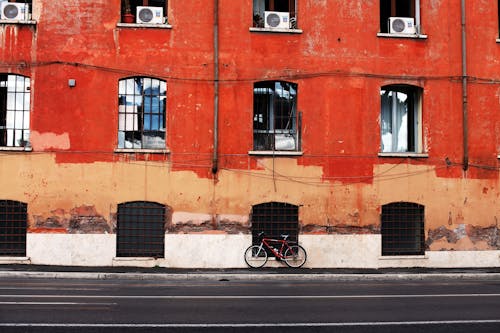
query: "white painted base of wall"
226, 251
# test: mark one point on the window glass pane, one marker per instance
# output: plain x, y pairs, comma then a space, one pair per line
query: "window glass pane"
11, 83
19, 120
10, 119
26, 102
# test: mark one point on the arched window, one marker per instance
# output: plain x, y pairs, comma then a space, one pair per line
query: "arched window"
13, 227
275, 121
14, 110
275, 219
140, 229
142, 113
401, 119
402, 226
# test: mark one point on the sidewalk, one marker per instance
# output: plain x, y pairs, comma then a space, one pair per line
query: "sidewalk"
160, 273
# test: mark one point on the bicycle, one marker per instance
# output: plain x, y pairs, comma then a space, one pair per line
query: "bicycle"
293, 255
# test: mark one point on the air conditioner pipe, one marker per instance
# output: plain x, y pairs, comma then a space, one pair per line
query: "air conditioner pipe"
465, 125
215, 157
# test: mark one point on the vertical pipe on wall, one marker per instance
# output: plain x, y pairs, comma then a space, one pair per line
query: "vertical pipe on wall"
465, 125
215, 158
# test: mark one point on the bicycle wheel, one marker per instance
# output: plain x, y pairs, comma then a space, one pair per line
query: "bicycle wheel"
255, 256
295, 256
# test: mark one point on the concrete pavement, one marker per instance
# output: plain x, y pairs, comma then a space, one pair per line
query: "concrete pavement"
160, 273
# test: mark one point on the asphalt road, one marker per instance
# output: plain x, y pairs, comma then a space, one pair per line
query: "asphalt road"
70, 305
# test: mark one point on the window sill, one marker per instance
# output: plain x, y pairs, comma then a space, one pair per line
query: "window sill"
415, 257
28, 22
15, 260
143, 25
410, 155
275, 153
387, 35
290, 31
498, 40
141, 151
21, 149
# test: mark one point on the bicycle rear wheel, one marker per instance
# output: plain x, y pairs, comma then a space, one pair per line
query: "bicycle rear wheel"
295, 256
255, 256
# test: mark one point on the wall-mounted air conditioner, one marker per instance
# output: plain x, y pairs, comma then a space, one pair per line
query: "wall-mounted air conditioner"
402, 25
148, 14
14, 11
277, 20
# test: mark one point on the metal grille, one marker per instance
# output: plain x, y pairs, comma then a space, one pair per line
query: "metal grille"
275, 218
140, 229
14, 110
403, 229
13, 225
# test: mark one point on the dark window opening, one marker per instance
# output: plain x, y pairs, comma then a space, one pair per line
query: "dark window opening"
395, 8
13, 228
142, 113
400, 118
275, 122
260, 7
402, 229
275, 219
14, 110
129, 9
140, 229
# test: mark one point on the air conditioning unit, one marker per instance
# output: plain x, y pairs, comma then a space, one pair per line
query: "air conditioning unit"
277, 20
14, 11
402, 25
148, 14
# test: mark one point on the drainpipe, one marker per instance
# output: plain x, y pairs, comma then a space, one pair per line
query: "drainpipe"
215, 157
465, 125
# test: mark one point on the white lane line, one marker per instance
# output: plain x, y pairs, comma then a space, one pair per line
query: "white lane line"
54, 303
263, 297
339, 324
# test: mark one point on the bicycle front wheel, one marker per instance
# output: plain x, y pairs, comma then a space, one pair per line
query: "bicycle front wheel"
255, 256
295, 256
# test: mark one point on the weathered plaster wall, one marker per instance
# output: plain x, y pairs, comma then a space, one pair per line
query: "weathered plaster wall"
73, 180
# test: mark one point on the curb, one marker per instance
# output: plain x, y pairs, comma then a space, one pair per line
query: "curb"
249, 276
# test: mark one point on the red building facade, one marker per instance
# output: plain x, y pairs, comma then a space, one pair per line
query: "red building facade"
169, 132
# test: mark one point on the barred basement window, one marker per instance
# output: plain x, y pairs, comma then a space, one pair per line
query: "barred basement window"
140, 229
14, 110
142, 113
275, 219
13, 226
403, 229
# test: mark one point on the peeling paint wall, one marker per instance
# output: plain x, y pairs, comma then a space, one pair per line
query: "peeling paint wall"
73, 179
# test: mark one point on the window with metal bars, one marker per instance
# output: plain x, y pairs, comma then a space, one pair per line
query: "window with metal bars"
140, 229
402, 227
275, 219
13, 226
14, 110
142, 113
275, 121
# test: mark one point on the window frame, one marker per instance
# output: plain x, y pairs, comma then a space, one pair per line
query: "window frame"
258, 15
20, 130
27, 21
13, 233
138, 115
128, 17
395, 230
414, 135
266, 118
388, 8
137, 239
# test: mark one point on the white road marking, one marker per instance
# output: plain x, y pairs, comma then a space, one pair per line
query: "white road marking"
53, 303
339, 324
263, 297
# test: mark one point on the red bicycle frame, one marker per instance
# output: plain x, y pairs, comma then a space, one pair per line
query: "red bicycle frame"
268, 242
